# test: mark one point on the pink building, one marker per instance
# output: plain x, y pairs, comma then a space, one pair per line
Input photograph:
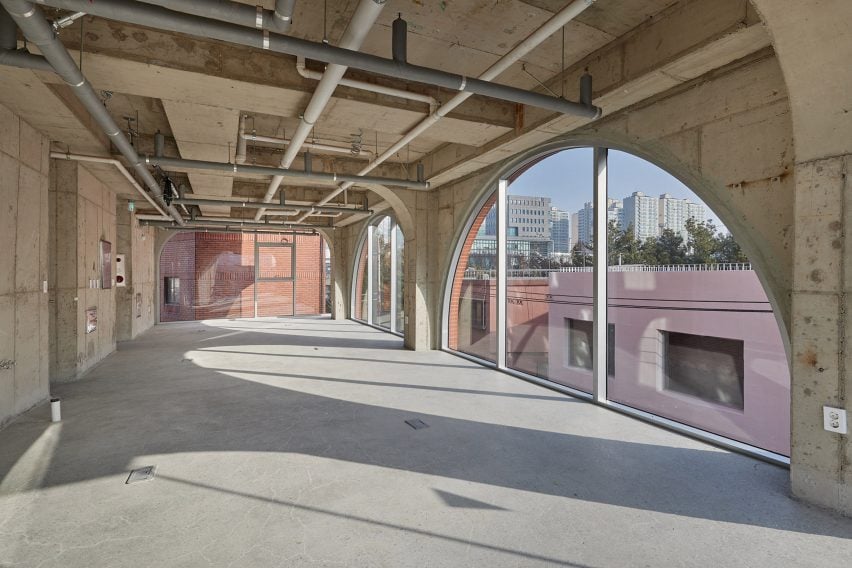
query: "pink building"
700, 347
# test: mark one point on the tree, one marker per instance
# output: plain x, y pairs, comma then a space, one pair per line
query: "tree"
624, 248
728, 250
581, 255
702, 242
670, 248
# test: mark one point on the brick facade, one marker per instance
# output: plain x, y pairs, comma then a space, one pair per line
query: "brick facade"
217, 273
458, 277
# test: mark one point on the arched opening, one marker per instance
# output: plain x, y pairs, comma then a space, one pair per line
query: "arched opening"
378, 297
689, 338
212, 275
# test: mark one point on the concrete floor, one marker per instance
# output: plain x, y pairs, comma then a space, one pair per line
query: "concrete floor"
283, 442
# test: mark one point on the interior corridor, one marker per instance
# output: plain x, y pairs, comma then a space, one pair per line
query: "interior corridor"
284, 442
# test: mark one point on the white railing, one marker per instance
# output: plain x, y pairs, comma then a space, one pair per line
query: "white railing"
481, 274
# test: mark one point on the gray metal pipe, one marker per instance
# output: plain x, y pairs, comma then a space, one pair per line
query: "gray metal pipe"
198, 227
284, 173
10, 55
284, 14
24, 60
399, 39
36, 29
160, 18
269, 206
278, 20
235, 223
8, 31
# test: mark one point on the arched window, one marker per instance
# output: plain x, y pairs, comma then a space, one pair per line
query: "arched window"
378, 297
688, 335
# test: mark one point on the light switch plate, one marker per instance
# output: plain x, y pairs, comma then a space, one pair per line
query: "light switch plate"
834, 420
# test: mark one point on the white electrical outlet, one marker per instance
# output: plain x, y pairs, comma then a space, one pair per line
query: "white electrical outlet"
834, 420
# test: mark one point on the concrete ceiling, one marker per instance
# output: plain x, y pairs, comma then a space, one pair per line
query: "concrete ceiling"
193, 90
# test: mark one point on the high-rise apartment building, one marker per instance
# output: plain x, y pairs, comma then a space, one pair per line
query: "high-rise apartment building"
641, 212
586, 221
673, 213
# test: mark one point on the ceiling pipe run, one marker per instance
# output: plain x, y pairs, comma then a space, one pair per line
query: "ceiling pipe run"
119, 166
246, 204
162, 19
37, 30
532, 41
371, 87
230, 223
10, 55
362, 21
177, 163
200, 229
320, 148
278, 20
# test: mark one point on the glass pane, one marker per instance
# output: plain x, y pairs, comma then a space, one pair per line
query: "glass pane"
473, 311
274, 262
695, 338
400, 280
361, 287
549, 261
310, 275
216, 275
382, 274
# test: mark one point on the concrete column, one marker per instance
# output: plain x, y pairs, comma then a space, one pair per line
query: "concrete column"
124, 309
64, 256
821, 470
341, 268
418, 277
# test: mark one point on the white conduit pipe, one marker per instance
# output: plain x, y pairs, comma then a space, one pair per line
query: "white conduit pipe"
553, 25
240, 154
365, 86
310, 145
119, 166
363, 19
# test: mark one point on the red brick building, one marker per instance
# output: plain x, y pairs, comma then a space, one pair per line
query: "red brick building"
227, 275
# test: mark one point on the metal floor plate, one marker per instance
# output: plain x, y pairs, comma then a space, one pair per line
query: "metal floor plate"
142, 474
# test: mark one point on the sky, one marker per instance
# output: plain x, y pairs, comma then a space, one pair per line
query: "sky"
566, 178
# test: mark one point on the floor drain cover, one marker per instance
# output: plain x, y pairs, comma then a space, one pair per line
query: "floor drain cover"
416, 423
141, 474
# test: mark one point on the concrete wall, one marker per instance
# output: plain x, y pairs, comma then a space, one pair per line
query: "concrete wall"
814, 46
134, 302
83, 216
24, 261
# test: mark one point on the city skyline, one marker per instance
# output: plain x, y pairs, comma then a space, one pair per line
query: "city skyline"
627, 174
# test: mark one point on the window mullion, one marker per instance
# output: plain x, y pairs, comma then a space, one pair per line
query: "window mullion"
600, 339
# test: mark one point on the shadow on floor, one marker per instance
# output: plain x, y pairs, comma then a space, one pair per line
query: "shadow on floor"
376, 523
138, 404
469, 367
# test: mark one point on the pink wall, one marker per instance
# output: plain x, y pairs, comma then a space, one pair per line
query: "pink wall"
727, 304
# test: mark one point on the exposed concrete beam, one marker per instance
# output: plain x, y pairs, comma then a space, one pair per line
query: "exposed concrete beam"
657, 56
205, 133
137, 60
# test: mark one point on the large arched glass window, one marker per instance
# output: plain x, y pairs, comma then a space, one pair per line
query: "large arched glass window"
378, 297
688, 337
